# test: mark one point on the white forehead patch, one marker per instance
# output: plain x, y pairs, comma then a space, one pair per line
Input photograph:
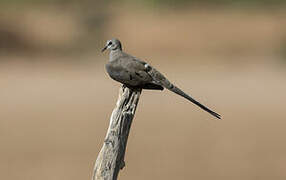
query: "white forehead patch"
147, 67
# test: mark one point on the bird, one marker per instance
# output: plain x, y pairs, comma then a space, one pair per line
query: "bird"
136, 73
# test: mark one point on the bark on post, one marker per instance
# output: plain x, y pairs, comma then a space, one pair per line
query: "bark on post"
111, 157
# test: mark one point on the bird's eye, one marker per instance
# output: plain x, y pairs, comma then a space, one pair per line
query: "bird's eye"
109, 43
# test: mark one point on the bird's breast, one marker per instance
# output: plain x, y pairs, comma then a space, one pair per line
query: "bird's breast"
116, 72
112, 71
121, 74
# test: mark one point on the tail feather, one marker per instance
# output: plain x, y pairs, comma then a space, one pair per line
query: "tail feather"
181, 93
162, 81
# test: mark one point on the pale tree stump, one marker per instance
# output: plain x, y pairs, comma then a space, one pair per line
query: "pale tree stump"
111, 156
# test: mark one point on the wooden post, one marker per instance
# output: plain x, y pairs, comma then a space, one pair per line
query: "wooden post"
111, 156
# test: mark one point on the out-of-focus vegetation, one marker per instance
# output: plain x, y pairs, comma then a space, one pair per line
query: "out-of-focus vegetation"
163, 2
74, 26
234, 3
57, 26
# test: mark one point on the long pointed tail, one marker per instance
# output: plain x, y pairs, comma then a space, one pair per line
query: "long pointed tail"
162, 81
181, 93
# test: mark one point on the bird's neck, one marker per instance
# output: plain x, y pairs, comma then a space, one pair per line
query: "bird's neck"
114, 54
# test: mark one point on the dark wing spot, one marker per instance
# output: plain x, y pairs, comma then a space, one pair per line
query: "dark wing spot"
147, 67
138, 74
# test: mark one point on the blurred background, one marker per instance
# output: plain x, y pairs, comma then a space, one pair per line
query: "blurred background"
56, 98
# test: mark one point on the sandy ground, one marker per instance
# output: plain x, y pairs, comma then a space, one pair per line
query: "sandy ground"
54, 115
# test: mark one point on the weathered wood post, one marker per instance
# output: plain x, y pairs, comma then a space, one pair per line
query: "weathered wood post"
111, 156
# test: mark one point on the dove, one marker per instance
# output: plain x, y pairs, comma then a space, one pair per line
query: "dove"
136, 73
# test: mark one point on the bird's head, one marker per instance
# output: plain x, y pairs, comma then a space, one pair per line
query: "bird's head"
112, 44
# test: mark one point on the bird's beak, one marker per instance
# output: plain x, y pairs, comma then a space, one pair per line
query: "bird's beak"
104, 49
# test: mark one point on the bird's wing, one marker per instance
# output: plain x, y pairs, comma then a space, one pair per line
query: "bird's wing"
135, 72
129, 70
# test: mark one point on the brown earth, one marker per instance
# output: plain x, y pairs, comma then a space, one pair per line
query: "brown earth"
54, 117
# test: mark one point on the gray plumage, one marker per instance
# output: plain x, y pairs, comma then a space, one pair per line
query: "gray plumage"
135, 73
